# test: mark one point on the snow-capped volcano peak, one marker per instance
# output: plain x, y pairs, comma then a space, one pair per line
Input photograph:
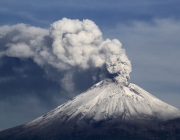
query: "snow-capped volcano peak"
108, 100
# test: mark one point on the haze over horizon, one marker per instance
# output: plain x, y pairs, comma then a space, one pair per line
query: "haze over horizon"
149, 32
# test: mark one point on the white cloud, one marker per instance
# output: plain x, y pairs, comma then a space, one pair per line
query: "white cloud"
19, 50
70, 45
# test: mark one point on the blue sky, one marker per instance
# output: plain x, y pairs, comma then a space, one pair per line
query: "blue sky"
148, 30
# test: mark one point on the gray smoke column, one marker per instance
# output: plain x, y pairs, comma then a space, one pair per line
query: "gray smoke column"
70, 47
80, 43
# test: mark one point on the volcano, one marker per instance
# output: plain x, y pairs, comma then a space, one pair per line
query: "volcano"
107, 101
107, 110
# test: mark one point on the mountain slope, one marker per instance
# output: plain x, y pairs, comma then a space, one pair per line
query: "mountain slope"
109, 100
108, 110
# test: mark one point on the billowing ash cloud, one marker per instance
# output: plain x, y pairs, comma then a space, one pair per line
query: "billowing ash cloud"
69, 49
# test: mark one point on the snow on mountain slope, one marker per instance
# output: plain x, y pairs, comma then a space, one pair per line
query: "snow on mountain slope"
110, 100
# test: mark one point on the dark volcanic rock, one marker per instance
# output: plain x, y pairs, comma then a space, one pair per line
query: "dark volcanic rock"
129, 130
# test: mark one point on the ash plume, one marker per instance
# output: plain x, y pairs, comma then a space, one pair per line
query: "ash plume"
70, 48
